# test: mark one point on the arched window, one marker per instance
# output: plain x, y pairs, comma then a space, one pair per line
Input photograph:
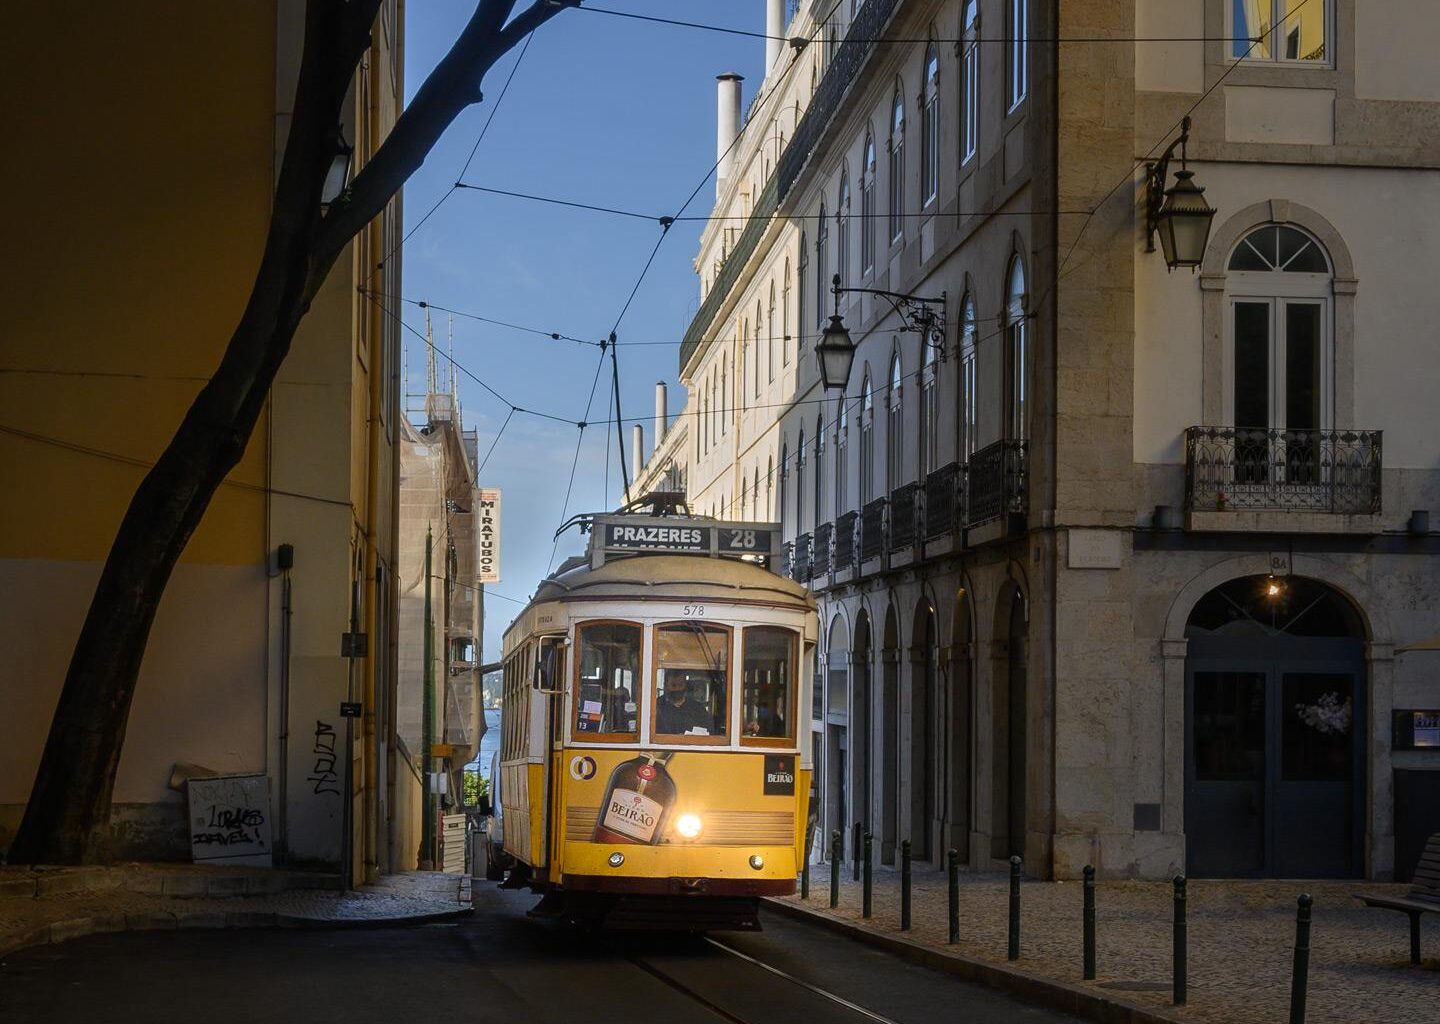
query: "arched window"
800, 483
897, 167
1017, 354
782, 513
761, 343
772, 343
842, 228
968, 410
1019, 69
970, 81
705, 420
800, 295
895, 429
742, 370
819, 474
744, 496
1280, 371
770, 513
928, 446
867, 441
724, 393
822, 278
785, 317
755, 492
930, 129
867, 206
842, 457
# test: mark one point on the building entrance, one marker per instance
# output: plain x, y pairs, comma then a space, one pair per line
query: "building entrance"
1274, 736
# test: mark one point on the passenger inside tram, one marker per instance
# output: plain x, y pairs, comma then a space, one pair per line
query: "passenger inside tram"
691, 680
678, 714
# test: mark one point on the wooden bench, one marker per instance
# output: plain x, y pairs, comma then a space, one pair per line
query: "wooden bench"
1423, 898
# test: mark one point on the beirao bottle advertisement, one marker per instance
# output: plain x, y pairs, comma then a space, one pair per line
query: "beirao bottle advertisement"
655, 797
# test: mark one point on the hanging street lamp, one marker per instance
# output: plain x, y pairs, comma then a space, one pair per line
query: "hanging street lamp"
1178, 214
337, 177
836, 350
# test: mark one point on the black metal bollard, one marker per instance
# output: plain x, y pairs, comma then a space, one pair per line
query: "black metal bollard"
865, 899
952, 865
855, 850
1178, 965
834, 869
805, 862
905, 886
1013, 953
1088, 919
1300, 980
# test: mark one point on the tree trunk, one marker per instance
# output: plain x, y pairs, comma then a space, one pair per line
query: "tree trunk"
67, 818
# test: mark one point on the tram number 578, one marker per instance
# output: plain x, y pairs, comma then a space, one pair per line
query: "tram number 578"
693, 611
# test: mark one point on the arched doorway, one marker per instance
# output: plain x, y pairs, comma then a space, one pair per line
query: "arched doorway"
1274, 731
837, 704
960, 681
861, 709
890, 738
1007, 725
923, 657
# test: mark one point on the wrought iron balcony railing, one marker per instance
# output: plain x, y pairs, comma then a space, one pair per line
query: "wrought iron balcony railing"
997, 482
801, 559
906, 509
820, 551
845, 546
944, 500
787, 560
1232, 468
872, 529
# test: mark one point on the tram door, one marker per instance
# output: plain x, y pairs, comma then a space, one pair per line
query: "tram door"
550, 684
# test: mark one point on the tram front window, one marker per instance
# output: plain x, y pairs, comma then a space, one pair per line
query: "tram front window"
609, 663
692, 670
769, 674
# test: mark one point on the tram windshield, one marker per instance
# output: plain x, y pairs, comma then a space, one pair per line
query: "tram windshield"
692, 665
768, 680
609, 661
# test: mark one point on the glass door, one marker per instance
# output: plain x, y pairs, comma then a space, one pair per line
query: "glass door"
1225, 774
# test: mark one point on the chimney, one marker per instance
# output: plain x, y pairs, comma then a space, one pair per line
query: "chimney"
727, 126
637, 449
774, 29
662, 414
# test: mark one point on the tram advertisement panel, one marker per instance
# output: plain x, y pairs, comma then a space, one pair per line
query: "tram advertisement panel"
658, 797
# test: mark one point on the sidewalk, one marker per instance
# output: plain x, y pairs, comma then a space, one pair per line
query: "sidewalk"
44, 905
1241, 945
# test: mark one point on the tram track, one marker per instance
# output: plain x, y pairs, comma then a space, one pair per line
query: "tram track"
709, 1002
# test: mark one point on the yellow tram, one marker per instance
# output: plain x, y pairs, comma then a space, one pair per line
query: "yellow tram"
653, 770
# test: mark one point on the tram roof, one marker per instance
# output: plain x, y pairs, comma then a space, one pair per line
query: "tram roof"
680, 576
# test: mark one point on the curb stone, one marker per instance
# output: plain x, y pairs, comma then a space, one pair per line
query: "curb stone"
1033, 988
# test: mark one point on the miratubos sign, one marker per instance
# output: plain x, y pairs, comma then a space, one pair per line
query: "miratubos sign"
488, 534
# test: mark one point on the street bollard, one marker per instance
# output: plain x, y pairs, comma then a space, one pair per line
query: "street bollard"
834, 869
1013, 952
865, 900
1178, 965
1088, 919
855, 850
952, 864
1300, 980
905, 886
805, 864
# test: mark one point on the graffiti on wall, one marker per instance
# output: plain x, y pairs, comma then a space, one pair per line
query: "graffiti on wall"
323, 776
230, 818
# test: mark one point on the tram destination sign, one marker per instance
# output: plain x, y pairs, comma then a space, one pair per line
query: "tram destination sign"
683, 536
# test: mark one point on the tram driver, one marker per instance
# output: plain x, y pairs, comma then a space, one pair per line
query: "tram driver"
678, 713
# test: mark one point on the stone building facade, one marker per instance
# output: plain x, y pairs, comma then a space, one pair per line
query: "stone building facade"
1121, 569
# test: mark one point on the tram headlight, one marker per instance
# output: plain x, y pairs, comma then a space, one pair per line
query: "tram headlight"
688, 825
756, 861
616, 859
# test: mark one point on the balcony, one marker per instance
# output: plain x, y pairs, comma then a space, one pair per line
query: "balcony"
944, 500
872, 529
1245, 470
821, 550
997, 483
906, 505
845, 547
800, 559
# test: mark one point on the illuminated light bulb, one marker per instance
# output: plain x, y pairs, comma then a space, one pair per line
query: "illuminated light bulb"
688, 825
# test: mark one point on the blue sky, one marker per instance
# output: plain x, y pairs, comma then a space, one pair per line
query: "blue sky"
602, 110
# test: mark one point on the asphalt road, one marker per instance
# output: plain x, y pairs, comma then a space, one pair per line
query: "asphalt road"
497, 966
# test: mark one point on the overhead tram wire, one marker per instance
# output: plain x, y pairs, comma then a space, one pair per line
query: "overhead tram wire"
580, 437
792, 40
473, 150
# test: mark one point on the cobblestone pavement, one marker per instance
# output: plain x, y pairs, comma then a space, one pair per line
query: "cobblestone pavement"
1241, 942
53, 905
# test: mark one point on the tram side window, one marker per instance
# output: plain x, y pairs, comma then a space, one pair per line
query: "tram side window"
609, 666
768, 682
692, 677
